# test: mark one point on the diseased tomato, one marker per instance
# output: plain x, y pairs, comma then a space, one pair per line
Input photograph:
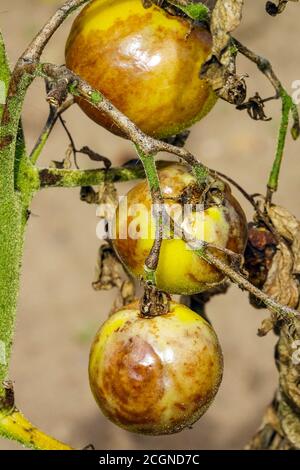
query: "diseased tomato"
158, 375
145, 61
220, 222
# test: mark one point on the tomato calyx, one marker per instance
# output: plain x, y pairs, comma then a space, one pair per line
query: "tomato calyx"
198, 14
154, 302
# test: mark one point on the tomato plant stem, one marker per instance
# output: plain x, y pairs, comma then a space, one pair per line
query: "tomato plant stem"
287, 107
63, 178
149, 165
15, 426
10, 232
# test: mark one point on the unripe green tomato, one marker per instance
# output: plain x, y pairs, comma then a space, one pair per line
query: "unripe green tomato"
145, 61
180, 270
158, 375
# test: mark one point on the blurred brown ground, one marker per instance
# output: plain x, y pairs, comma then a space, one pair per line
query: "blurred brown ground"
59, 312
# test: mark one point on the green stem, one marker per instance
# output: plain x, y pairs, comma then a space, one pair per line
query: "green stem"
149, 165
16, 427
11, 235
287, 105
43, 138
18, 179
16, 192
54, 114
150, 171
62, 178
14, 206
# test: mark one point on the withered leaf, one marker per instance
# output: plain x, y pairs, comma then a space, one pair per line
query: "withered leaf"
226, 17
108, 272
290, 423
281, 284
220, 68
274, 9
288, 227
266, 326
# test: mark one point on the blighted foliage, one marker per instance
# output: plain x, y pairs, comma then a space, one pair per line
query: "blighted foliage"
281, 427
274, 9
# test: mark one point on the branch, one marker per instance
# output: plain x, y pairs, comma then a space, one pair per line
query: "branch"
16, 427
285, 313
149, 165
287, 107
35, 49
146, 144
21, 79
62, 178
54, 114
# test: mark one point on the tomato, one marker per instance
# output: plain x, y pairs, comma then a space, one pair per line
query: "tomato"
180, 270
145, 61
158, 375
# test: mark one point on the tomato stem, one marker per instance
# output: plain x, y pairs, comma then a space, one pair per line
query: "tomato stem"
288, 107
15, 426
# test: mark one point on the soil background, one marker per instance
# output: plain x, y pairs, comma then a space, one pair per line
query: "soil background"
58, 310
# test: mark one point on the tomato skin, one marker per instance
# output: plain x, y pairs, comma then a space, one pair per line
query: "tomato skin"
180, 270
145, 61
155, 376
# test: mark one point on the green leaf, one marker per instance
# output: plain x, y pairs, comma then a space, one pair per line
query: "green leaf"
4, 74
195, 11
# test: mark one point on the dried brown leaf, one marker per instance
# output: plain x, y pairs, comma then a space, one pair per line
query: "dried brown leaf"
220, 68
288, 227
274, 9
226, 17
290, 423
281, 284
108, 272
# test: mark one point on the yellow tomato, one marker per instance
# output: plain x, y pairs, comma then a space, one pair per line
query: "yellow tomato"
155, 376
145, 61
221, 223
